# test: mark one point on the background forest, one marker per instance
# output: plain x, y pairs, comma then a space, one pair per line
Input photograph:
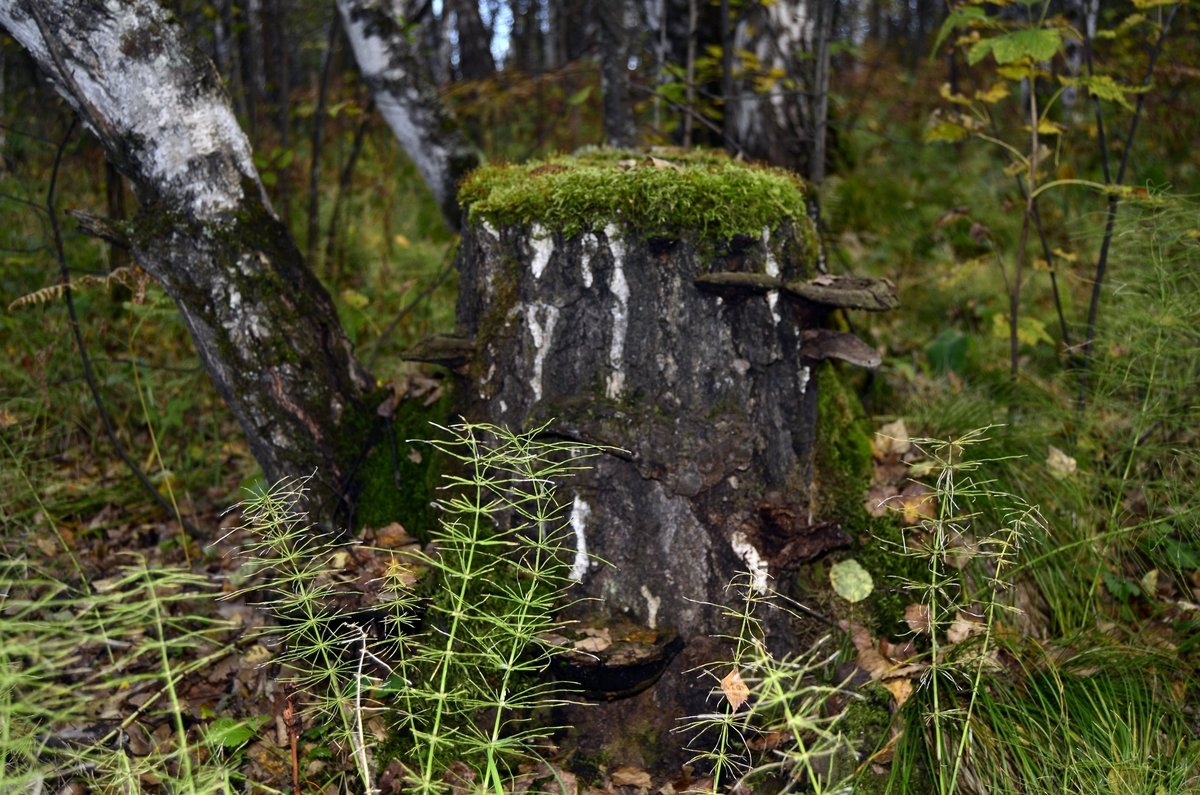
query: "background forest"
1019, 612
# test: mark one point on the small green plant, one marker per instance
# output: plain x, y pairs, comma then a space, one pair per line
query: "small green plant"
773, 727
1022, 45
456, 669
971, 543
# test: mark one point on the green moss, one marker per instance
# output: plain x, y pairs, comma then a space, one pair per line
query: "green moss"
842, 460
706, 194
841, 476
866, 723
880, 552
402, 489
494, 319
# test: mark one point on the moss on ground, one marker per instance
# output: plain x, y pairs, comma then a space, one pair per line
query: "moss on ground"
400, 489
704, 193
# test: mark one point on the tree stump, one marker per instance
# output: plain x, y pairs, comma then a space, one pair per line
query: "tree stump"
668, 309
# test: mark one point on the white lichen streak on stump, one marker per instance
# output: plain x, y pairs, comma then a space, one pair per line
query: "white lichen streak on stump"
579, 516
620, 313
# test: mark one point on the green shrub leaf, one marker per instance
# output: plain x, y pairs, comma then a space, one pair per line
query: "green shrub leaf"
851, 581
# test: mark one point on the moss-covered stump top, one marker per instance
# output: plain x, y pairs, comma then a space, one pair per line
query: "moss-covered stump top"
660, 195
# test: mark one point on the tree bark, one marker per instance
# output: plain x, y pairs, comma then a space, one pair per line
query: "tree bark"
475, 60
781, 125
619, 129
406, 98
264, 327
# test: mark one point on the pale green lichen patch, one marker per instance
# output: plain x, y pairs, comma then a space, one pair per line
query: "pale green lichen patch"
669, 196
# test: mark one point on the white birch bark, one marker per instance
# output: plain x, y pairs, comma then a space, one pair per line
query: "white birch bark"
263, 325
778, 125
409, 103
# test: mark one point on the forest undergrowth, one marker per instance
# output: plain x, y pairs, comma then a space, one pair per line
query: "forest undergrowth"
1030, 619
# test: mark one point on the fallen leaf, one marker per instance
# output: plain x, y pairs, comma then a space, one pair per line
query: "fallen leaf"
658, 162
630, 777
735, 689
877, 499
915, 503
851, 581
898, 652
869, 658
917, 617
392, 536
900, 689
892, 439
963, 627
1149, 583
594, 645
1060, 464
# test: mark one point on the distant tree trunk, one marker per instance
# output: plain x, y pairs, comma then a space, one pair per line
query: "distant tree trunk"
819, 120
613, 25
264, 327
276, 68
784, 125
250, 52
475, 61
407, 99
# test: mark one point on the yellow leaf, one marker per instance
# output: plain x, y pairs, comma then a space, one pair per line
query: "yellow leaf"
949, 96
993, 94
1047, 127
1066, 256
735, 689
354, 299
851, 581
900, 689
402, 241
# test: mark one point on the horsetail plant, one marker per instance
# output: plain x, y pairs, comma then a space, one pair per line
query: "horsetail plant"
459, 670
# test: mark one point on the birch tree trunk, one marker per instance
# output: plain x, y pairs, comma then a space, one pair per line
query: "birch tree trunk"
784, 124
391, 68
265, 328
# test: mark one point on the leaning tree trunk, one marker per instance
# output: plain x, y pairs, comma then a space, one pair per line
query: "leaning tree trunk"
265, 328
408, 99
667, 311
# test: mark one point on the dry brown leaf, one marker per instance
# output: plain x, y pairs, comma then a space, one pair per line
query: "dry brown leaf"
735, 689
595, 645
964, 626
391, 536
877, 499
917, 617
869, 658
900, 689
898, 652
630, 777
891, 439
